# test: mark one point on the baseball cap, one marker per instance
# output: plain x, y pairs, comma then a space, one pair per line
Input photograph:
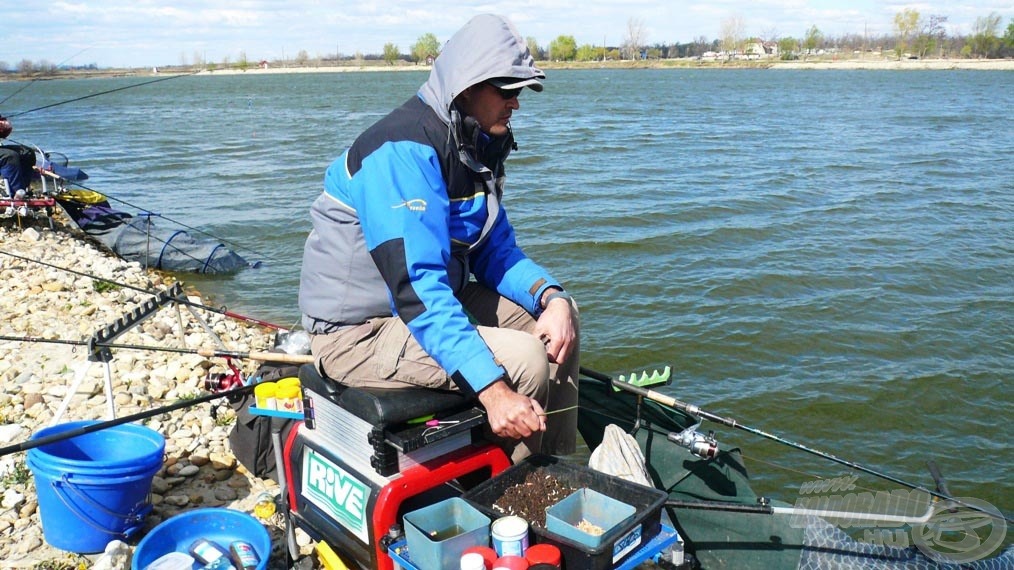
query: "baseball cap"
534, 82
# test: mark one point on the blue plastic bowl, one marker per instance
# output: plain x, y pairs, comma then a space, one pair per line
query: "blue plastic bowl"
222, 526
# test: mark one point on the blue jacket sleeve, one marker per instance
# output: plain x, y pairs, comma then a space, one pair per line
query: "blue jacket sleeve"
500, 263
405, 214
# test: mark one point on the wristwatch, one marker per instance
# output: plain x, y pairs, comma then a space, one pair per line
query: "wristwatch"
558, 294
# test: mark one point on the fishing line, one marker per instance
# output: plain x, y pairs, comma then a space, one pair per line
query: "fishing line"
32, 82
260, 356
812, 476
78, 184
83, 97
67, 434
149, 215
185, 301
168, 219
695, 411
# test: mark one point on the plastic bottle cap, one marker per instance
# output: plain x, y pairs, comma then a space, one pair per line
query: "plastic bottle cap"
472, 561
510, 563
510, 526
287, 392
543, 554
265, 388
487, 553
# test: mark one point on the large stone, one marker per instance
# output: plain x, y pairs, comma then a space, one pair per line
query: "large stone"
223, 460
10, 433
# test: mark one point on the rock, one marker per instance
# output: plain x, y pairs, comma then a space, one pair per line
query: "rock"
225, 494
29, 509
159, 485
302, 539
116, 557
29, 543
200, 458
223, 460
32, 399
11, 433
177, 500
31, 235
35, 378
11, 499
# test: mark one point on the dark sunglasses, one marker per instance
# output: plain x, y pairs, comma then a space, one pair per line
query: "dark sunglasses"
506, 93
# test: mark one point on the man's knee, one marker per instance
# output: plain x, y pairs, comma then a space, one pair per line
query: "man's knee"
528, 367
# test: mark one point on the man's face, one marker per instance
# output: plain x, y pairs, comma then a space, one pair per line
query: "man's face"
490, 106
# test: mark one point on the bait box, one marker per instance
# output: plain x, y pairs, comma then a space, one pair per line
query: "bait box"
612, 550
430, 543
594, 508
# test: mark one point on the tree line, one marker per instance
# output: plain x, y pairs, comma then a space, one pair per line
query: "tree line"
913, 35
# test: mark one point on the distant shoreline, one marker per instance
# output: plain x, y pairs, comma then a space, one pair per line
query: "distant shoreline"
872, 64
888, 64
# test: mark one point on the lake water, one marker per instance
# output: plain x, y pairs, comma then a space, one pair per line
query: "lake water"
825, 255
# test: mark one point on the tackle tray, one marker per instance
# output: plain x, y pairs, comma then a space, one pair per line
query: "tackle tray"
619, 543
666, 539
275, 413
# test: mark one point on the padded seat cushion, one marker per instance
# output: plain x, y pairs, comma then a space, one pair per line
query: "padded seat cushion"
383, 407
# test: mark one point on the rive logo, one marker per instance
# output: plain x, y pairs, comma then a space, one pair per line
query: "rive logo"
340, 495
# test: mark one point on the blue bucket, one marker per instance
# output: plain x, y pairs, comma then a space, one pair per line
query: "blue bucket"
94, 488
221, 526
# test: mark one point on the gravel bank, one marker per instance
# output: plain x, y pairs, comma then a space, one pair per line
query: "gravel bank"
39, 301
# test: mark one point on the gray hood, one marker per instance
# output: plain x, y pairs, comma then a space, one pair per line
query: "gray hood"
487, 47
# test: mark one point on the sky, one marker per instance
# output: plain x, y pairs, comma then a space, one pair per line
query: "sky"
143, 33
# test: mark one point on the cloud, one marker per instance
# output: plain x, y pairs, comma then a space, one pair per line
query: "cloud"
138, 33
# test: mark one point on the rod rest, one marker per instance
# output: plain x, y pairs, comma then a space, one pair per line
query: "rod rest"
385, 407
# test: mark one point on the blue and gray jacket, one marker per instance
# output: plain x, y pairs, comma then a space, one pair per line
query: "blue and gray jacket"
412, 209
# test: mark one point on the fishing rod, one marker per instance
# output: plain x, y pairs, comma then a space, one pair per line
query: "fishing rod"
32, 82
75, 183
696, 411
143, 212
205, 352
51, 105
45, 440
185, 301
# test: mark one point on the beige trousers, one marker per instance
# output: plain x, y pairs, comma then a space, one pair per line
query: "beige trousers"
382, 353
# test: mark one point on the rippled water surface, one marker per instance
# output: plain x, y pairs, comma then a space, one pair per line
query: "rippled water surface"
824, 255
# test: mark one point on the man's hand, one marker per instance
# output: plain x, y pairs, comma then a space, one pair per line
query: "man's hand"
555, 328
510, 414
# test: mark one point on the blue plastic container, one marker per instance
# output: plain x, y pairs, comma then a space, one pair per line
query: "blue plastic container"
587, 505
221, 526
438, 535
94, 488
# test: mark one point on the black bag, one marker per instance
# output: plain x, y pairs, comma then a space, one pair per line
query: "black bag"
250, 438
16, 162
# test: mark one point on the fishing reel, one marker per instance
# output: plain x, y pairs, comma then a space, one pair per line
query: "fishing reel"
224, 381
701, 445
